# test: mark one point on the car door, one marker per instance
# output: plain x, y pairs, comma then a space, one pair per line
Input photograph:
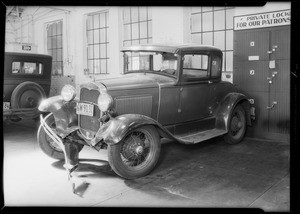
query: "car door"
194, 90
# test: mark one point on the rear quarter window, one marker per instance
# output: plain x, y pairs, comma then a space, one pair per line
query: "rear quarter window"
27, 68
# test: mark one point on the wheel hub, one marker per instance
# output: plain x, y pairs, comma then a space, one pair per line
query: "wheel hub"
139, 150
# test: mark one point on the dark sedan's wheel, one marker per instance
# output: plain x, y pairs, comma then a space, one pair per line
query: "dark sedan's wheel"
27, 95
237, 126
137, 154
47, 145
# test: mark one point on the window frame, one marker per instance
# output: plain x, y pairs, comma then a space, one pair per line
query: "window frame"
184, 81
99, 59
61, 48
27, 74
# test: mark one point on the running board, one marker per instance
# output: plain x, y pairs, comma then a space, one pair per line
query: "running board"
201, 136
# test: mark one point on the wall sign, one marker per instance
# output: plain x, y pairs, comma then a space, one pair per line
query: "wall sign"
26, 47
261, 20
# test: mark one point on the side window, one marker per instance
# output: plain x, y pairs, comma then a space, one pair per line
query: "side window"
215, 66
27, 68
195, 67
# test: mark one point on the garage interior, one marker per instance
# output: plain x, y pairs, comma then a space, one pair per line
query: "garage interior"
252, 174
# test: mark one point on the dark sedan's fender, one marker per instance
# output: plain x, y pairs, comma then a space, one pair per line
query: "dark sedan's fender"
117, 128
64, 113
226, 106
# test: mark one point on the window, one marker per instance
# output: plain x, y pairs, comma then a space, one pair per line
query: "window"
195, 66
27, 68
215, 66
137, 26
214, 26
97, 43
55, 46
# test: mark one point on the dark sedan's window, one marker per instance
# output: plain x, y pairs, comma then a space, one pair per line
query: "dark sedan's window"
195, 66
27, 68
215, 66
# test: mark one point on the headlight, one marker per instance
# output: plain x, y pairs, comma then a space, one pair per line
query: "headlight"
105, 101
68, 93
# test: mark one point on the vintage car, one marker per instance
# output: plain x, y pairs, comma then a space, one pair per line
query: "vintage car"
27, 79
173, 92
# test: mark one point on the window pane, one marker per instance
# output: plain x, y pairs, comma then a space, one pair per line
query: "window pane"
207, 21
102, 20
16, 67
97, 66
229, 40
59, 28
215, 66
59, 55
229, 61
143, 13
196, 23
49, 43
219, 39
127, 32
135, 42
59, 41
54, 29
219, 8
90, 66
196, 9
207, 38
103, 67
134, 14
207, 9
90, 52
96, 21
96, 51
135, 31
96, 36
143, 30
229, 19
143, 41
103, 51
150, 29
54, 55
149, 13
102, 35
219, 20
90, 35
54, 42
196, 38
90, 22
126, 43
49, 30
126, 15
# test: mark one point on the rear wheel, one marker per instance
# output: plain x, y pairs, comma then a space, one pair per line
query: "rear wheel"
27, 95
237, 126
137, 154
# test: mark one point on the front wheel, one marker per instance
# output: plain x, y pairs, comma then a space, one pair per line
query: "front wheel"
47, 145
237, 126
137, 154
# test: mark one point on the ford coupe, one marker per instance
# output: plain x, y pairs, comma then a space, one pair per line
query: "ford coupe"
165, 91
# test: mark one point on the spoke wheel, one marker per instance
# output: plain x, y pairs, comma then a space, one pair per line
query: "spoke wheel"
137, 154
237, 126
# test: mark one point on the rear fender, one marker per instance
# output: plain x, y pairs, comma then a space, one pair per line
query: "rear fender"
117, 128
226, 107
64, 113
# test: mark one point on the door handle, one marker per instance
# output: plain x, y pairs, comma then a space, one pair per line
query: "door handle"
272, 106
210, 82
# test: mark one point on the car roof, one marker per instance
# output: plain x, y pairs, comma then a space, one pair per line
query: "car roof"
171, 48
27, 54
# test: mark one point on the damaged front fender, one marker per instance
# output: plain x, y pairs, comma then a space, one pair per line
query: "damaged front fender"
66, 119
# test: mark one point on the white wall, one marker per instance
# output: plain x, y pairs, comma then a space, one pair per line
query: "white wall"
270, 6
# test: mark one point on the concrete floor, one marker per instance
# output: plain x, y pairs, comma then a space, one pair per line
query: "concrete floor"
211, 174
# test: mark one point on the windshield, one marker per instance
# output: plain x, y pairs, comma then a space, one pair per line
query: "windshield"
153, 62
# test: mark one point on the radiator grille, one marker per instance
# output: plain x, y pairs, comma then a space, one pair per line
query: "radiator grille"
87, 123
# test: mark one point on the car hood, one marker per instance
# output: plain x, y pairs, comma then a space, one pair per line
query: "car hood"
135, 80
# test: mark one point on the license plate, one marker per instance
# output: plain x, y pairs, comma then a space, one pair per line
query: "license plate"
85, 109
6, 105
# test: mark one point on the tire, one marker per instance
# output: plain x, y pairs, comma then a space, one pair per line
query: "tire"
47, 145
237, 126
27, 95
133, 149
